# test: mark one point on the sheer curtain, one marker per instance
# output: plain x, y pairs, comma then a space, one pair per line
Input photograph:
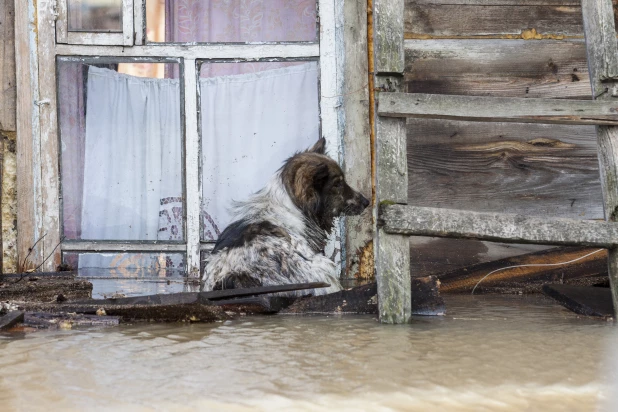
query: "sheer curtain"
251, 123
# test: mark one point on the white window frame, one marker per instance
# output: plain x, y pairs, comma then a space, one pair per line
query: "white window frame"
43, 147
124, 38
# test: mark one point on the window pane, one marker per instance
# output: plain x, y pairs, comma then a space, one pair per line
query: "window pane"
236, 21
121, 152
130, 273
95, 15
253, 117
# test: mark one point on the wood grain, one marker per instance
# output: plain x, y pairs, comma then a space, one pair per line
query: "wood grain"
541, 170
498, 109
602, 52
488, 18
8, 94
424, 221
506, 68
388, 36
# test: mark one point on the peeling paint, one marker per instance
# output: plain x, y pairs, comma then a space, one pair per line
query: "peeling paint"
9, 202
366, 267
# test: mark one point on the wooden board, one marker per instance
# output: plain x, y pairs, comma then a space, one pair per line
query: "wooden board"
541, 170
8, 90
497, 109
585, 300
507, 68
547, 265
425, 221
435, 18
388, 35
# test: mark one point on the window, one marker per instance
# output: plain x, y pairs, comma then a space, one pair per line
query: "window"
157, 135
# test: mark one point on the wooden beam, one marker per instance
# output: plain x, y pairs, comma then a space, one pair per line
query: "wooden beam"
600, 31
7, 66
498, 109
501, 227
388, 36
391, 252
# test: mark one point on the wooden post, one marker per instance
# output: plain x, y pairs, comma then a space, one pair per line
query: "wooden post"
392, 252
600, 31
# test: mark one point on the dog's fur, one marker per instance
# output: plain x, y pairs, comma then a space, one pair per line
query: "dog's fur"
279, 234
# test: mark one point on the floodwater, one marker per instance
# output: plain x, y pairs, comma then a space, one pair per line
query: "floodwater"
490, 353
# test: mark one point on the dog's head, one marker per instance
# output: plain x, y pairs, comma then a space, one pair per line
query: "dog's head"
317, 186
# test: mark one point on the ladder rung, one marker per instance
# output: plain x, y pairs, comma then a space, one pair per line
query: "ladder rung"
498, 109
501, 227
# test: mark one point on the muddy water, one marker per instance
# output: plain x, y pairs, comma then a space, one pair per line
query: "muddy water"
488, 353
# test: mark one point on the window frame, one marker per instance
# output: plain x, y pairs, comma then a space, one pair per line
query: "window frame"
44, 199
95, 38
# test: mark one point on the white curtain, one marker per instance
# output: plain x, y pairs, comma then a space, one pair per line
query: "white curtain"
250, 124
132, 159
132, 167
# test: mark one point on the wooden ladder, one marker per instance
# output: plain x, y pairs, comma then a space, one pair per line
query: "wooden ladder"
395, 220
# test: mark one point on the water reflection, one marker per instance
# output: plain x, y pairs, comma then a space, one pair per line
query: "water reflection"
488, 353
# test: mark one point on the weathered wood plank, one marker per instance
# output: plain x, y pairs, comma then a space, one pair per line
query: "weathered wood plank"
505, 68
11, 319
438, 255
8, 94
426, 300
535, 169
435, 20
497, 109
355, 122
602, 52
547, 265
393, 278
588, 301
501, 2
388, 36
28, 165
188, 297
425, 221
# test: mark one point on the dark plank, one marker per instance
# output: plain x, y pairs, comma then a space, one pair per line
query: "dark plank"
531, 169
11, 319
497, 109
434, 19
202, 297
520, 269
425, 221
507, 68
363, 299
585, 300
435, 256
35, 288
43, 320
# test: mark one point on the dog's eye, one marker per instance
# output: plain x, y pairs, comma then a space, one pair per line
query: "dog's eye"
339, 184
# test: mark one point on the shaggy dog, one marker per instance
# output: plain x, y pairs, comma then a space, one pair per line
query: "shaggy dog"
279, 234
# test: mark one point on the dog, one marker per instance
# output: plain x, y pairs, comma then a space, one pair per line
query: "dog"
279, 234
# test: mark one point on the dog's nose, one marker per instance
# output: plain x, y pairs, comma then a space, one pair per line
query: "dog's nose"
364, 201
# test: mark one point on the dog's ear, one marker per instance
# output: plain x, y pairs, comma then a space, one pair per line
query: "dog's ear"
320, 176
319, 147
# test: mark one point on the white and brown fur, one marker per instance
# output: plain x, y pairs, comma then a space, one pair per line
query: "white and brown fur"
279, 233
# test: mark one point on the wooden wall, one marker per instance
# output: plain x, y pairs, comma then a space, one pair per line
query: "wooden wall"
517, 48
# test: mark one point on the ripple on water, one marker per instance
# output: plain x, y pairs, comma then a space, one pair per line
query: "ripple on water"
488, 353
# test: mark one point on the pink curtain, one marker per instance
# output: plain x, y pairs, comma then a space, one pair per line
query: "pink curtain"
73, 132
239, 21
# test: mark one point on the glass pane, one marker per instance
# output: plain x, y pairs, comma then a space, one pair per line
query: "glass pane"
95, 15
130, 274
253, 117
231, 21
121, 152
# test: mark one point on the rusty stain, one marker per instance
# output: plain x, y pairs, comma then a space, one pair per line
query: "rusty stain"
366, 264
